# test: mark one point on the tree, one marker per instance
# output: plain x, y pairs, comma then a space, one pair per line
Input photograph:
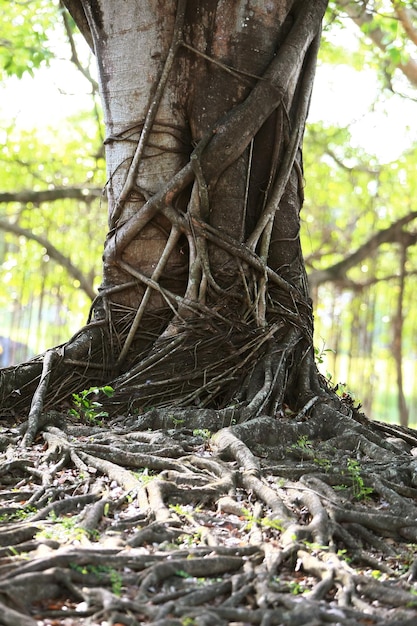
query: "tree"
333, 145
366, 334
204, 322
193, 205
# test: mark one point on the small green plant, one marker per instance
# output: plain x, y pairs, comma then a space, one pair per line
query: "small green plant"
296, 588
202, 432
360, 491
343, 554
264, 522
145, 475
267, 522
18, 514
189, 539
304, 443
88, 409
182, 574
63, 529
304, 447
116, 582
184, 512
100, 571
346, 394
323, 463
177, 422
320, 354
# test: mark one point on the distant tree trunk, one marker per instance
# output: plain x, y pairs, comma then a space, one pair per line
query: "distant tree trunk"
204, 299
397, 349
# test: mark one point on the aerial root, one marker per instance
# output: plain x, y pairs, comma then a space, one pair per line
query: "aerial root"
269, 511
49, 359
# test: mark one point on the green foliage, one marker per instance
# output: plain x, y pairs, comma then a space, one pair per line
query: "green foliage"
41, 303
63, 529
202, 432
294, 587
101, 572
320, 353
360, 491
381, 42
305, 450
320, 357
188, 621
264, 522
323, 463
183, 511
19, 514
25, 35
88, 409
354, 315
304, 447
39, 297
145, 475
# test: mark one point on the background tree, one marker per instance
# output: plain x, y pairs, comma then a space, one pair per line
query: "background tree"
50, 271
379, 198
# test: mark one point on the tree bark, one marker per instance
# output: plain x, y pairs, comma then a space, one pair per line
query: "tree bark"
203, 152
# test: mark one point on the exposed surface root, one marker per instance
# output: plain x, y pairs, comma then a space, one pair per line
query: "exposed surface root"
162, 520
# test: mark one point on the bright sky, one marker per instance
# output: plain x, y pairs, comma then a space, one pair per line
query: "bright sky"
52, 95
344, 96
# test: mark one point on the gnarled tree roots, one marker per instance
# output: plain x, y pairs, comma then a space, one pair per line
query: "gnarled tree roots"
182, 516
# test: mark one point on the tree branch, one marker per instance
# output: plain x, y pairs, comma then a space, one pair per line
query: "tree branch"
74, 55
405, 17
337, 272
50, 195
358, 167
54, 254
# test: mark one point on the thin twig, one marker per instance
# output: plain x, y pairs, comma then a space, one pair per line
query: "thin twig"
241, 74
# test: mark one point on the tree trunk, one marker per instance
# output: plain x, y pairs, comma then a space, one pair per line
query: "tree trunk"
205, 200
397, 350
204, 299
